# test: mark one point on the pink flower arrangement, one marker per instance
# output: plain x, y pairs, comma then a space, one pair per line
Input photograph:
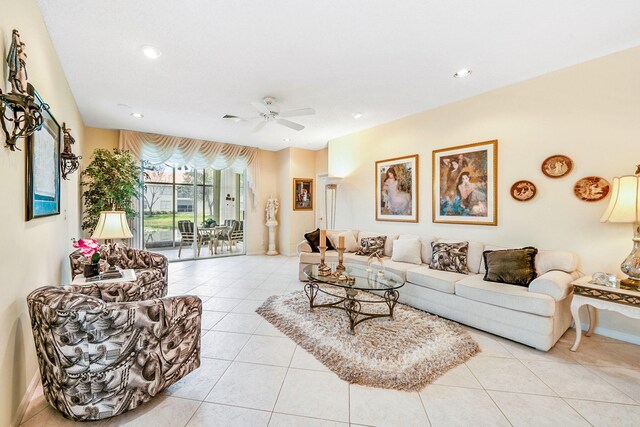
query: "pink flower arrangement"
90, 248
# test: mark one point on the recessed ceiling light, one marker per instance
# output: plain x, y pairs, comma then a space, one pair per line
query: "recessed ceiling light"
287, 139
462, 73
356, 115
151, 52
137, 115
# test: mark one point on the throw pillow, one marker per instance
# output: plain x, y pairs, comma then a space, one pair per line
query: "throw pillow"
350, 243
372, 245
512, 266
407, 250
449, 257
313, 237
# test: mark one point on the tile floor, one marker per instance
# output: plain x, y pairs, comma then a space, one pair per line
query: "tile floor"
252, 375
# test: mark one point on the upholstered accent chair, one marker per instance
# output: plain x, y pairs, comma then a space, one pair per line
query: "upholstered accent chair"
152, 274
104, 351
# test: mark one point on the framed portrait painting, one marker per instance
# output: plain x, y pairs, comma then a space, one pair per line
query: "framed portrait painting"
465, 181
302, 194
397, 189
43, 167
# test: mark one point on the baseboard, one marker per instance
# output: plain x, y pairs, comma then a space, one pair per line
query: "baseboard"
612, 333
24, 404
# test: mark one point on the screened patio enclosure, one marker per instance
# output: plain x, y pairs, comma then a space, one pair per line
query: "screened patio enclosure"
190, 213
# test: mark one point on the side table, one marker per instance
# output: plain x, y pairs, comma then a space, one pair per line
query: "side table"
128, 275
623, 301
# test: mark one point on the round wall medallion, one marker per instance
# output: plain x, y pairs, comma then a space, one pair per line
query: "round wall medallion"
523, 190
591, 188
556, 166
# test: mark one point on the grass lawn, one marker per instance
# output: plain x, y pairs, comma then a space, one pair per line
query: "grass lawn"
165, 221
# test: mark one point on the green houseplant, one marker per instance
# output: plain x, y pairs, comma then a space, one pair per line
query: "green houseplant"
111, 181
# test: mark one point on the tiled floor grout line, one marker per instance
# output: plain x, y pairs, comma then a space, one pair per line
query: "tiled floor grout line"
614, 386
424, 408
488, 394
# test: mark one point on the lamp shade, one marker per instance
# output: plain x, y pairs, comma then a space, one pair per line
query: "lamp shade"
624, 205
112, 225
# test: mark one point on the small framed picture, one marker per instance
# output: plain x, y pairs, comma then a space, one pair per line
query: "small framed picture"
302, 194
523, 190
465, 183
591, 189
556, 166
397, 189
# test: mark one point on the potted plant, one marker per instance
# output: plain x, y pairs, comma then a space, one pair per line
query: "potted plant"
111, 182
90, 248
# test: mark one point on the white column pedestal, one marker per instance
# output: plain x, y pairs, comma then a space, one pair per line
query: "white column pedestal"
272, 237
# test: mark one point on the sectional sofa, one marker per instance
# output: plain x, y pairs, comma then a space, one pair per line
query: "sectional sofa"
537, 315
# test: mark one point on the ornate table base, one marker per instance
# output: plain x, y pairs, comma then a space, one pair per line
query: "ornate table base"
350, 304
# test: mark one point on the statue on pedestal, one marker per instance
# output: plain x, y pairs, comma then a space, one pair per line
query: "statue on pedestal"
270, 212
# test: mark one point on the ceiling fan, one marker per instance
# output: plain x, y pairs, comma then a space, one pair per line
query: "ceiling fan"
268, 111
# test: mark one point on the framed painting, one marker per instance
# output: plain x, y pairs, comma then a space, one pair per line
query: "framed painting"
302, 194
43, 167
397, 189
465, 182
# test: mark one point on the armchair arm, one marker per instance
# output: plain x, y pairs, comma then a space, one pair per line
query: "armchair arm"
555, 283
140, 259
303, 246
144, 288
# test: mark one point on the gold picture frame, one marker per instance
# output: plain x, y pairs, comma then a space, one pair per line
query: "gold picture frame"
465, 184
397, 189
302, 194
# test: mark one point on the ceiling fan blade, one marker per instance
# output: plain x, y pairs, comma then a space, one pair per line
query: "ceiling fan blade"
261, 107
259, 127
296, 113
230, 116
290, 124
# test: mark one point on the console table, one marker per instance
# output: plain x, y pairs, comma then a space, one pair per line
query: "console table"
624, 301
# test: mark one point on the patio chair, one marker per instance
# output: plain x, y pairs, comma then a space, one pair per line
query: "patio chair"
102, 352
187, 235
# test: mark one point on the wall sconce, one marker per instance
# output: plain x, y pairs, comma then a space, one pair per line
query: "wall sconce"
20, 116
69, 162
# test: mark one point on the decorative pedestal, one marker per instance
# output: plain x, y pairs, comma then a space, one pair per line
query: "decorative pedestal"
272, 237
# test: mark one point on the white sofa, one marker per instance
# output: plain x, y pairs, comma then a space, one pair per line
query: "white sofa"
536, 316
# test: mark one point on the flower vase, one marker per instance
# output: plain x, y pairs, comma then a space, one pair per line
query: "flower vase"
91, 269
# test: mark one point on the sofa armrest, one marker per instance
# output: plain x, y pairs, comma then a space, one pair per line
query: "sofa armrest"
556, 284
303, 246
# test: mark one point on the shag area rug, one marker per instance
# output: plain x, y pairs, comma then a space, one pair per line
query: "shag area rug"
406, 353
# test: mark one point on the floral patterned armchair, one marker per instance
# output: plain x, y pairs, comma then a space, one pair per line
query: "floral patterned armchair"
152, 274
101, 357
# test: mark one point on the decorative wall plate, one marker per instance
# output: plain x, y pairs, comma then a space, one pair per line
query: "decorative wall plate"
591, 188
556, 166
523, 190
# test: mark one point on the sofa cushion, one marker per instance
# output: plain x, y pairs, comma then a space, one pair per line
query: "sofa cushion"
474, 254
407, 250
507, 296
425, 241
511, 266
313, 238
388, 244
350, 243
443, 281
372, 245
449, 257
314, 258
399, 268
545, 260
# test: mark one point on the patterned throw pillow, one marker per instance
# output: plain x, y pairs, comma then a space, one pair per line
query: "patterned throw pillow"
511, 266
372, 245
449, 257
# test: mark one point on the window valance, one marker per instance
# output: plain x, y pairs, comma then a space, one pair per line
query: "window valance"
196, 153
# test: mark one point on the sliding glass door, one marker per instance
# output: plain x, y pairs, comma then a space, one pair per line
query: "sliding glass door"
193, 213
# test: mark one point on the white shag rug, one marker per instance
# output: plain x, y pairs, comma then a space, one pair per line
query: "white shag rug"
406, 353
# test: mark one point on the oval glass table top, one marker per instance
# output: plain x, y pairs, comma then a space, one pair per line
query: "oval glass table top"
366, 279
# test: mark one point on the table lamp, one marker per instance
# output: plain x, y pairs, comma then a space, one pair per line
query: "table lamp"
112, 225
624, 207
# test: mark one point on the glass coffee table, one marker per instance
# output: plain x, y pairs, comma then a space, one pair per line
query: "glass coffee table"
362, 281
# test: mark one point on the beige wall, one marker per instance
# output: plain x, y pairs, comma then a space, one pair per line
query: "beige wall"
95, 138
590, 112
34, 253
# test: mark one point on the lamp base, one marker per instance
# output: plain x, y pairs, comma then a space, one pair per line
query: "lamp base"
631, 284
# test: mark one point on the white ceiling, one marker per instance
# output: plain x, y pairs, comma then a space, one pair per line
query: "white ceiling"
386, 59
